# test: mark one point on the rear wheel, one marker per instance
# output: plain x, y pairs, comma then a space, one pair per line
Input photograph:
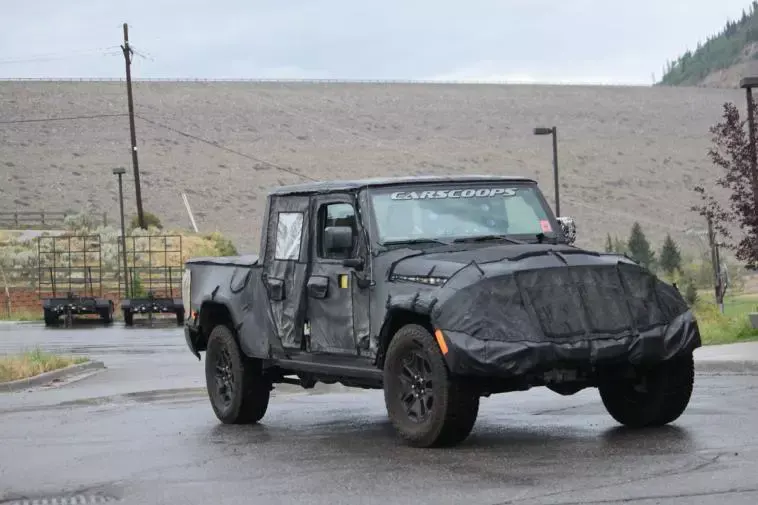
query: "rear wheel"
658, 396
237, 389
106, 314
128, 317
51, 318
426, 405
180, 318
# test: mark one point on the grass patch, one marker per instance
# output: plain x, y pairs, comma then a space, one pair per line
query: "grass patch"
21, 315
731, 326
33, 363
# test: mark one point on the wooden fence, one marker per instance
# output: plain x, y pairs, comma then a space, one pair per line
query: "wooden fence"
20, 220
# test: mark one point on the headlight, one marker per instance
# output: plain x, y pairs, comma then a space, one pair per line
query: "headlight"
421, 279
186, 282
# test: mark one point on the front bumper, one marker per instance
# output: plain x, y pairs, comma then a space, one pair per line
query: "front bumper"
471, 356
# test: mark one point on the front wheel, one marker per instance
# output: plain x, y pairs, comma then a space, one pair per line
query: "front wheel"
426, 405
237, 389
657, 396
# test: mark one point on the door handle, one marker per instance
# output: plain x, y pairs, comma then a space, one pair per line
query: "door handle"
275, 288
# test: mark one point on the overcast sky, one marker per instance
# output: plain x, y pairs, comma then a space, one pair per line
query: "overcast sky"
572, 41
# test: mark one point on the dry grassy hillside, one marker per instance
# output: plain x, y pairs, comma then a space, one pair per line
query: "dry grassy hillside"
625, 153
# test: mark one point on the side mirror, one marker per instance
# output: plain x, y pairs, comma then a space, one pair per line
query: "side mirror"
338, 240
568, 226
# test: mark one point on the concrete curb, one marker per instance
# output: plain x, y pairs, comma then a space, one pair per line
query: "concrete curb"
724, 366
46, 377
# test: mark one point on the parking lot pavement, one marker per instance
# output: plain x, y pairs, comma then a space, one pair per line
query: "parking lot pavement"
527, 448
142, 431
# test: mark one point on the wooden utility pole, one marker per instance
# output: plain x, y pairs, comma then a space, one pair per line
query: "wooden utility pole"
135, 163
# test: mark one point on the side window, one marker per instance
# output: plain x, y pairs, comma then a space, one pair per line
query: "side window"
337, 231
289, 233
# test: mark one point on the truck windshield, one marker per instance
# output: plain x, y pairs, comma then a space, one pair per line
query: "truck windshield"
450, 212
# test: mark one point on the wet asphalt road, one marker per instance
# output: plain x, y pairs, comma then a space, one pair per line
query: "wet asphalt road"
112, 434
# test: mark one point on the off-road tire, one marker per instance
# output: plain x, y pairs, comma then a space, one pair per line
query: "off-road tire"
106, 314
51, 319
128, 317
668, 391
247, 401
454, 407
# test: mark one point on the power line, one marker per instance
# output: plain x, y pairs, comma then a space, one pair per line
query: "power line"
68, 118
224, 148
105, 51
304, 115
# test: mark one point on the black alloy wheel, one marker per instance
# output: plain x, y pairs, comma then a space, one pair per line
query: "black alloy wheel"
427, 405
238, 390
417, 386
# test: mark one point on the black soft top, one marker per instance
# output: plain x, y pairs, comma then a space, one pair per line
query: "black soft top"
332, 186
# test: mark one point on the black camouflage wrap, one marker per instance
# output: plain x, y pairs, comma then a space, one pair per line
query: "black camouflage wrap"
505, 309
553, 306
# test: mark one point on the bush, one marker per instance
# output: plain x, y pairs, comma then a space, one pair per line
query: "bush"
223, 245
690, 293
718, 328
151, 221
137, 290
80, 223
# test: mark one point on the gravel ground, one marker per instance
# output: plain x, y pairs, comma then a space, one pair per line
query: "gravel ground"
626, 153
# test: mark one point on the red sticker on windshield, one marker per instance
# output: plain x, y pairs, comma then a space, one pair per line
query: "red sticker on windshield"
545, 224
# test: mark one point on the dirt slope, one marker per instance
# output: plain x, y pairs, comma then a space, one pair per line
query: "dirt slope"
626, 153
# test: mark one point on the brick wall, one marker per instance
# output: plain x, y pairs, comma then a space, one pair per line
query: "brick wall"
22, 300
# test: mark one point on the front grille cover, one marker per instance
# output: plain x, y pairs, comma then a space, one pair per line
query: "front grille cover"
562, 303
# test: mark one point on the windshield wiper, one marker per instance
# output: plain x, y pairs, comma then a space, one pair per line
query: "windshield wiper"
412, 241
487, 238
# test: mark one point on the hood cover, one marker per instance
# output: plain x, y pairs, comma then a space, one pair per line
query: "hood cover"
546, 306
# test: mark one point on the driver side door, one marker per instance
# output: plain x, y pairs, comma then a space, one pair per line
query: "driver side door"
331, 282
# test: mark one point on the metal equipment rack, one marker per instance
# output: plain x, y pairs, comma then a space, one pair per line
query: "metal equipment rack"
153, 283
72, 265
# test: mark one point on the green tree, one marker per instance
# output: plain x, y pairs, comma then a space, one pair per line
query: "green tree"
639, 247
609, 244
670, 259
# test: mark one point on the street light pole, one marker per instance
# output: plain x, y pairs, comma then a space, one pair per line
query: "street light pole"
554, 132
120, 172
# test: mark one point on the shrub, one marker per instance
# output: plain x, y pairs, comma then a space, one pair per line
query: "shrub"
151, 221
690, 293
137, 289
79, 223
223, 245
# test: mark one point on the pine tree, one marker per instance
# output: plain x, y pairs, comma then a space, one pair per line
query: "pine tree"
639, 247
619, 246
609, 244
671, 258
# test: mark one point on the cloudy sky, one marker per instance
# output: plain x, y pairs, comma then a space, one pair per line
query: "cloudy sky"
570, 41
